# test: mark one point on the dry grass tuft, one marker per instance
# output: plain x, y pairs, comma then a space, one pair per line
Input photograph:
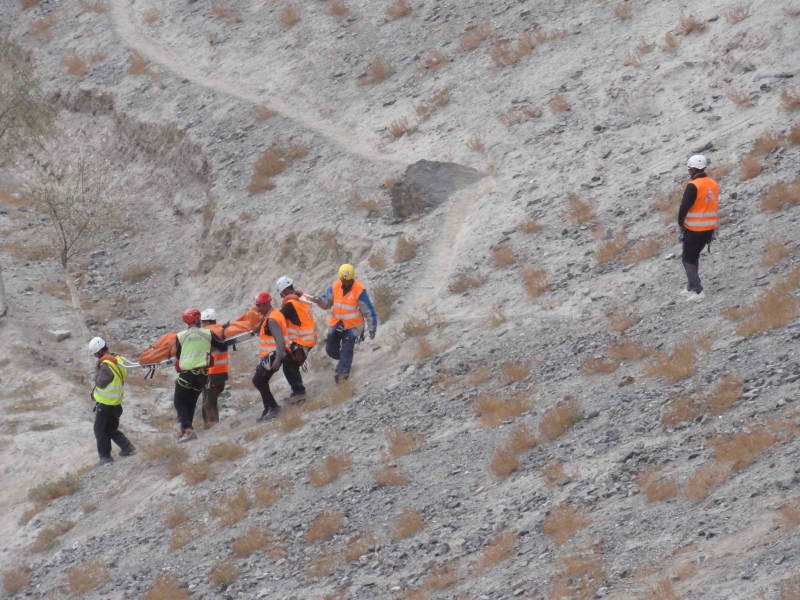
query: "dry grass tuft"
137, 65
790, 99
662, 590
562, 522
407, 523
279, 157
788, 515
262, 113
578, 211
492, 410
321, 565
738, 13
291, 418
654, 487
231, 509
184, 534
516, 371
558, 103
323, 525
499, 548
553, 472
520, 439
780, 195
288, 16
476, 143
95, 6
164, 450
405, 249
774, 252
269, 490
89, 507
749, 167
519, 114
256, 432
40, 28
597, 365
623, 11
680, 410
629, 350
16, 579
150, 16
619, 321
558, 419
377, 261
535, 281
504, 54
643, 249
74, 65
193, 472
398, 9
391, 476
632, 59
401, 443
480, 375
609, 249
474, 37
87, 576
47, 492
434, 60
727, 391
224, 451
793, 137
578, 577
442, 576
720, 169
503, 463
47, 536
529, 225
177, 516
673, 368
332, 466
771, 309
504, 256
399, 127
766, 143
376, 71
337, 8
496, 315
223, 572
463, 282
26, 4
166, 587
670, 42
254, 540
740, 99
432, 104
358, 545
690, 23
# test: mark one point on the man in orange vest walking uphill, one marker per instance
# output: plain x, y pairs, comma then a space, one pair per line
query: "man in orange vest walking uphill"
351, 312
217, 375
296, 309
273, 339
698, 219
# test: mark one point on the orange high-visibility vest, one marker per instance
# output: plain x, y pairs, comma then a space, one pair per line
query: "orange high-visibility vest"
345, 306
220, 362
266, 341
306, 333
702, 216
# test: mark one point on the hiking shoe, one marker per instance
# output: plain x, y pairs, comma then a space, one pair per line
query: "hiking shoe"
694, 296
179, 434
685, 292
340, 377
269, 414
296, 397
105, 461
128, 450
188, 436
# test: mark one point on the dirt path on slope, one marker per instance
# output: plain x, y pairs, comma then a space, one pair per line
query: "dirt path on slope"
131, 35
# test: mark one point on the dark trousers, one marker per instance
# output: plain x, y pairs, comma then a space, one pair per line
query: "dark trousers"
261, 378
340, 346
188, 388
693, 244
291, 370
214, 387
106, 429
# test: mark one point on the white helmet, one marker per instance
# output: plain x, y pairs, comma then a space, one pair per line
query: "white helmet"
283, 283
208, 314
96, 345
698, 161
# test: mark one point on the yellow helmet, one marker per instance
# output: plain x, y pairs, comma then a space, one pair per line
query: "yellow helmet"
347, 272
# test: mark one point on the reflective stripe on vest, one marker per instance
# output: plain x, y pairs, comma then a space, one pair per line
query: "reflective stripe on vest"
266, 341
220, 363
195, 348
112, 393
702, 215
345, 306
306, 333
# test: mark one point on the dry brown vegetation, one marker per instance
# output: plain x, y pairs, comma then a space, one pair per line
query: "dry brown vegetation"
269, 490
332, 466
193, 472
406, 524
632, 59
137, 65
337, 8
578, 577
434, 60
177, 516
400, 443
578, 211
323, 525
720, 169
278, 157
681, 364
496, 315
609, 249
358, 545
505, 460
553, 472
399, 127
629, 350
504, 256
219, 10
535, 281
774, 252
476, 142
689, 23
780, 195
558, 103
619, 321
150, 16
288, 16
655, 487
16, 579
516, 371
519, 114
231, 509
790, 99
558, 419
771, 309
667, 203
376, 71
480, 374
499, 548
166, 587
405, 249
623, 11
224, 451
749, 167
788, 515
95, 6
793, 137
164, 450
504, 54
40, 28
46, 537
87, 576
223, 572
291, 418
643, 249
670, 42
492, 410
597, 365
463, 282
46, 493
391, 476
727, 391
26, 4
398, 9
432, 104
474, 36
262, 113
74, 65
738, 13
740, 98
766, 143
321, 565
378, 262
139, 272
89, 507
184, 534
562, 521
383, 297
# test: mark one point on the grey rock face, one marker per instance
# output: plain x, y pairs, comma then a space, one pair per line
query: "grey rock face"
426, 184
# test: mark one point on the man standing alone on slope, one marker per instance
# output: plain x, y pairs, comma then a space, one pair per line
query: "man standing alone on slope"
698, 219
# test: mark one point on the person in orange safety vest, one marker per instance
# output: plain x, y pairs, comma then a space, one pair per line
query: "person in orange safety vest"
273, 340
698, 219
296, 309
217, 375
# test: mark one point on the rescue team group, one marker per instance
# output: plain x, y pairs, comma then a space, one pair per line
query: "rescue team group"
288, 334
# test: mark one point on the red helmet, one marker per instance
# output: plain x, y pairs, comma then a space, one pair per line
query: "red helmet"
191, 315
263, 298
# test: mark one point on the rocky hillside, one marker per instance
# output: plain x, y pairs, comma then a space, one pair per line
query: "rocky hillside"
541, 415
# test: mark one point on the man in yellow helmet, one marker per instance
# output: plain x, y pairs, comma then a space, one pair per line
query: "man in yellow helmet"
352, 315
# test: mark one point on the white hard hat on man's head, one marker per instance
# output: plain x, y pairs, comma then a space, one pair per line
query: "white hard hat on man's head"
698, 161
96, 345
208, 314
283, 283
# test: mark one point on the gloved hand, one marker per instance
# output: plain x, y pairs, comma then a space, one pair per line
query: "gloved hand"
372, 335
177, 366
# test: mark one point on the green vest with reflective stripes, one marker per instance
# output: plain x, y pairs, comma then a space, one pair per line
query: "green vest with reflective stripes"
112, 393
195, 348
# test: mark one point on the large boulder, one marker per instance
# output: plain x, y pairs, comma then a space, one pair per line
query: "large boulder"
428, 183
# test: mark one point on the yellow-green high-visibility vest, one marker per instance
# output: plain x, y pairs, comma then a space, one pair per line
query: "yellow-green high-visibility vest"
112, 393
195, 348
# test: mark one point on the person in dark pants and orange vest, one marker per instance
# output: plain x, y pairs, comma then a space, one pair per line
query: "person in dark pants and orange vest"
302, 328
273, 338
351, 312
109, 382
192, 359
698, 220
217, 375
